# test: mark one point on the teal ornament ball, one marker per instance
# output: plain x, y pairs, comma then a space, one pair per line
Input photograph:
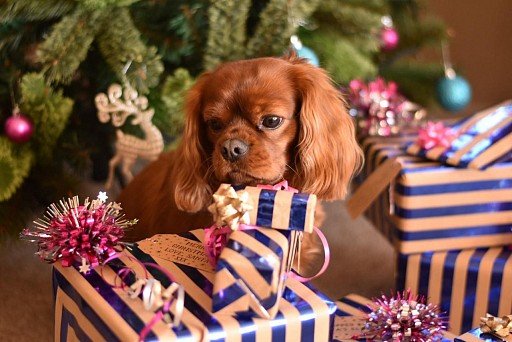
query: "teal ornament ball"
453, 93
307, 53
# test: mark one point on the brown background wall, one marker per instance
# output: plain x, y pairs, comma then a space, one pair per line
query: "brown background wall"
482, 46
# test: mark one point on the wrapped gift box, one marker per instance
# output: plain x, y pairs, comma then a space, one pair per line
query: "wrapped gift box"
476, 335
466, 284
88, 308
351, 315
429, 206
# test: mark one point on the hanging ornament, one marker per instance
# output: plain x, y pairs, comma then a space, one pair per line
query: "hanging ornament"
304, 51
18, 127
388, 35
453, 91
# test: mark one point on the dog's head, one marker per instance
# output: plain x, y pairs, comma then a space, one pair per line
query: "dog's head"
261, 121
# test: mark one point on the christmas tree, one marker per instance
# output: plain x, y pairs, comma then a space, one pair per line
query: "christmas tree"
56, 55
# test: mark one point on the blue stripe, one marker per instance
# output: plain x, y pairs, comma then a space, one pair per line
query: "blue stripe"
298, 211
434, 189
68, 320
496, 281
453, 210
307, 314
470, 294
452, 232
265, 208
265, 240
227, 296
85, 308
355, 304
402, 271
447, 282
425, 262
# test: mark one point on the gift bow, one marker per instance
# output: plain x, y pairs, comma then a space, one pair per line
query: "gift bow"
498, 326
283, 185
435, 135
230, 208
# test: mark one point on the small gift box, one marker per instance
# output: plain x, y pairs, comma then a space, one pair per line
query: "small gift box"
263, 226
89, 308
492, 329
424, 205
466, 284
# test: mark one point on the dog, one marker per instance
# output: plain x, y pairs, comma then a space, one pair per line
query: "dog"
248, 122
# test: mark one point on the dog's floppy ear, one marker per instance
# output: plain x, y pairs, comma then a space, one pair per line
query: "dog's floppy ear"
192, 189
327, 152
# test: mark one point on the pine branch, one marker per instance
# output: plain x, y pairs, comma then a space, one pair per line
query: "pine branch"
67, 45
101, 4
49, 110
120, 42
15, 163
31, 10
278, 21
226, 34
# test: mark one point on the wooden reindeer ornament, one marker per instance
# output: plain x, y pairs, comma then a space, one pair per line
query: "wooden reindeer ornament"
117, 106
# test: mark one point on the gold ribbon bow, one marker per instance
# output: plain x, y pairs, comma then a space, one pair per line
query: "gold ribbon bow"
229, 207
498, 326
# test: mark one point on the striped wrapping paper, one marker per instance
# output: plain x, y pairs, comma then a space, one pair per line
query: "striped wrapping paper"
351, 315
252, 267
481, 140
467, 284
430, 206
476, 335
88, 309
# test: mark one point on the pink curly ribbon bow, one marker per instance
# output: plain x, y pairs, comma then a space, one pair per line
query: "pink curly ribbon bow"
435, 134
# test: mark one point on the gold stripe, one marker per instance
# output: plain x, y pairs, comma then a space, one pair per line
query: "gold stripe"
434, 153
452, 175
435, 281
452, 221
450, 199
413, 272
309, 222
413, 149
111, 318
352, 311
198, 233
71, 337
293, 322
505, 307
455, 159
483, 284
322, 319
463, 242
458, 290
492, 153
64, 301
254, 194
281, 210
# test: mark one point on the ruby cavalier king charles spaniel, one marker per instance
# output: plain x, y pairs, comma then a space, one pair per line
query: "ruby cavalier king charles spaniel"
248, 122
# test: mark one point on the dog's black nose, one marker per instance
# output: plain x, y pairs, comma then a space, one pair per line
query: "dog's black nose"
234, 149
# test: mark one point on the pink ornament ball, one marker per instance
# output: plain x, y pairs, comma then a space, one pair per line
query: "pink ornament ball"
389, 38
19, 128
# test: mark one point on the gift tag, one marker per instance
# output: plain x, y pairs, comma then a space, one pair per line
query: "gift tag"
345, 328
177, 249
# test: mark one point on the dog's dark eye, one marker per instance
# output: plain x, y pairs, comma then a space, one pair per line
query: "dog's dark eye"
215, 125
271, 121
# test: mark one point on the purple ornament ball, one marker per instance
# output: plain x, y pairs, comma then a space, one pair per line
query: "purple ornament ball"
19, 128
389, 38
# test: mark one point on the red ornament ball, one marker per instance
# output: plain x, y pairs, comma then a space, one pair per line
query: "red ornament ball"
389, 38
19, 128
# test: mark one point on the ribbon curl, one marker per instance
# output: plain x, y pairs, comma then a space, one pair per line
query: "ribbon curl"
500, 327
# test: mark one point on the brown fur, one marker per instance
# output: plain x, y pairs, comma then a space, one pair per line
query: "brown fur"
314, 148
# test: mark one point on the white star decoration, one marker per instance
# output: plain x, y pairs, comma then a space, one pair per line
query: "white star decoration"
84, 268
102, 196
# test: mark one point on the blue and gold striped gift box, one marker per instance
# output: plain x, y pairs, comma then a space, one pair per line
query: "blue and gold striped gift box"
357, 306
467, 284
252, 267
430, 206
481, 140
88, 309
